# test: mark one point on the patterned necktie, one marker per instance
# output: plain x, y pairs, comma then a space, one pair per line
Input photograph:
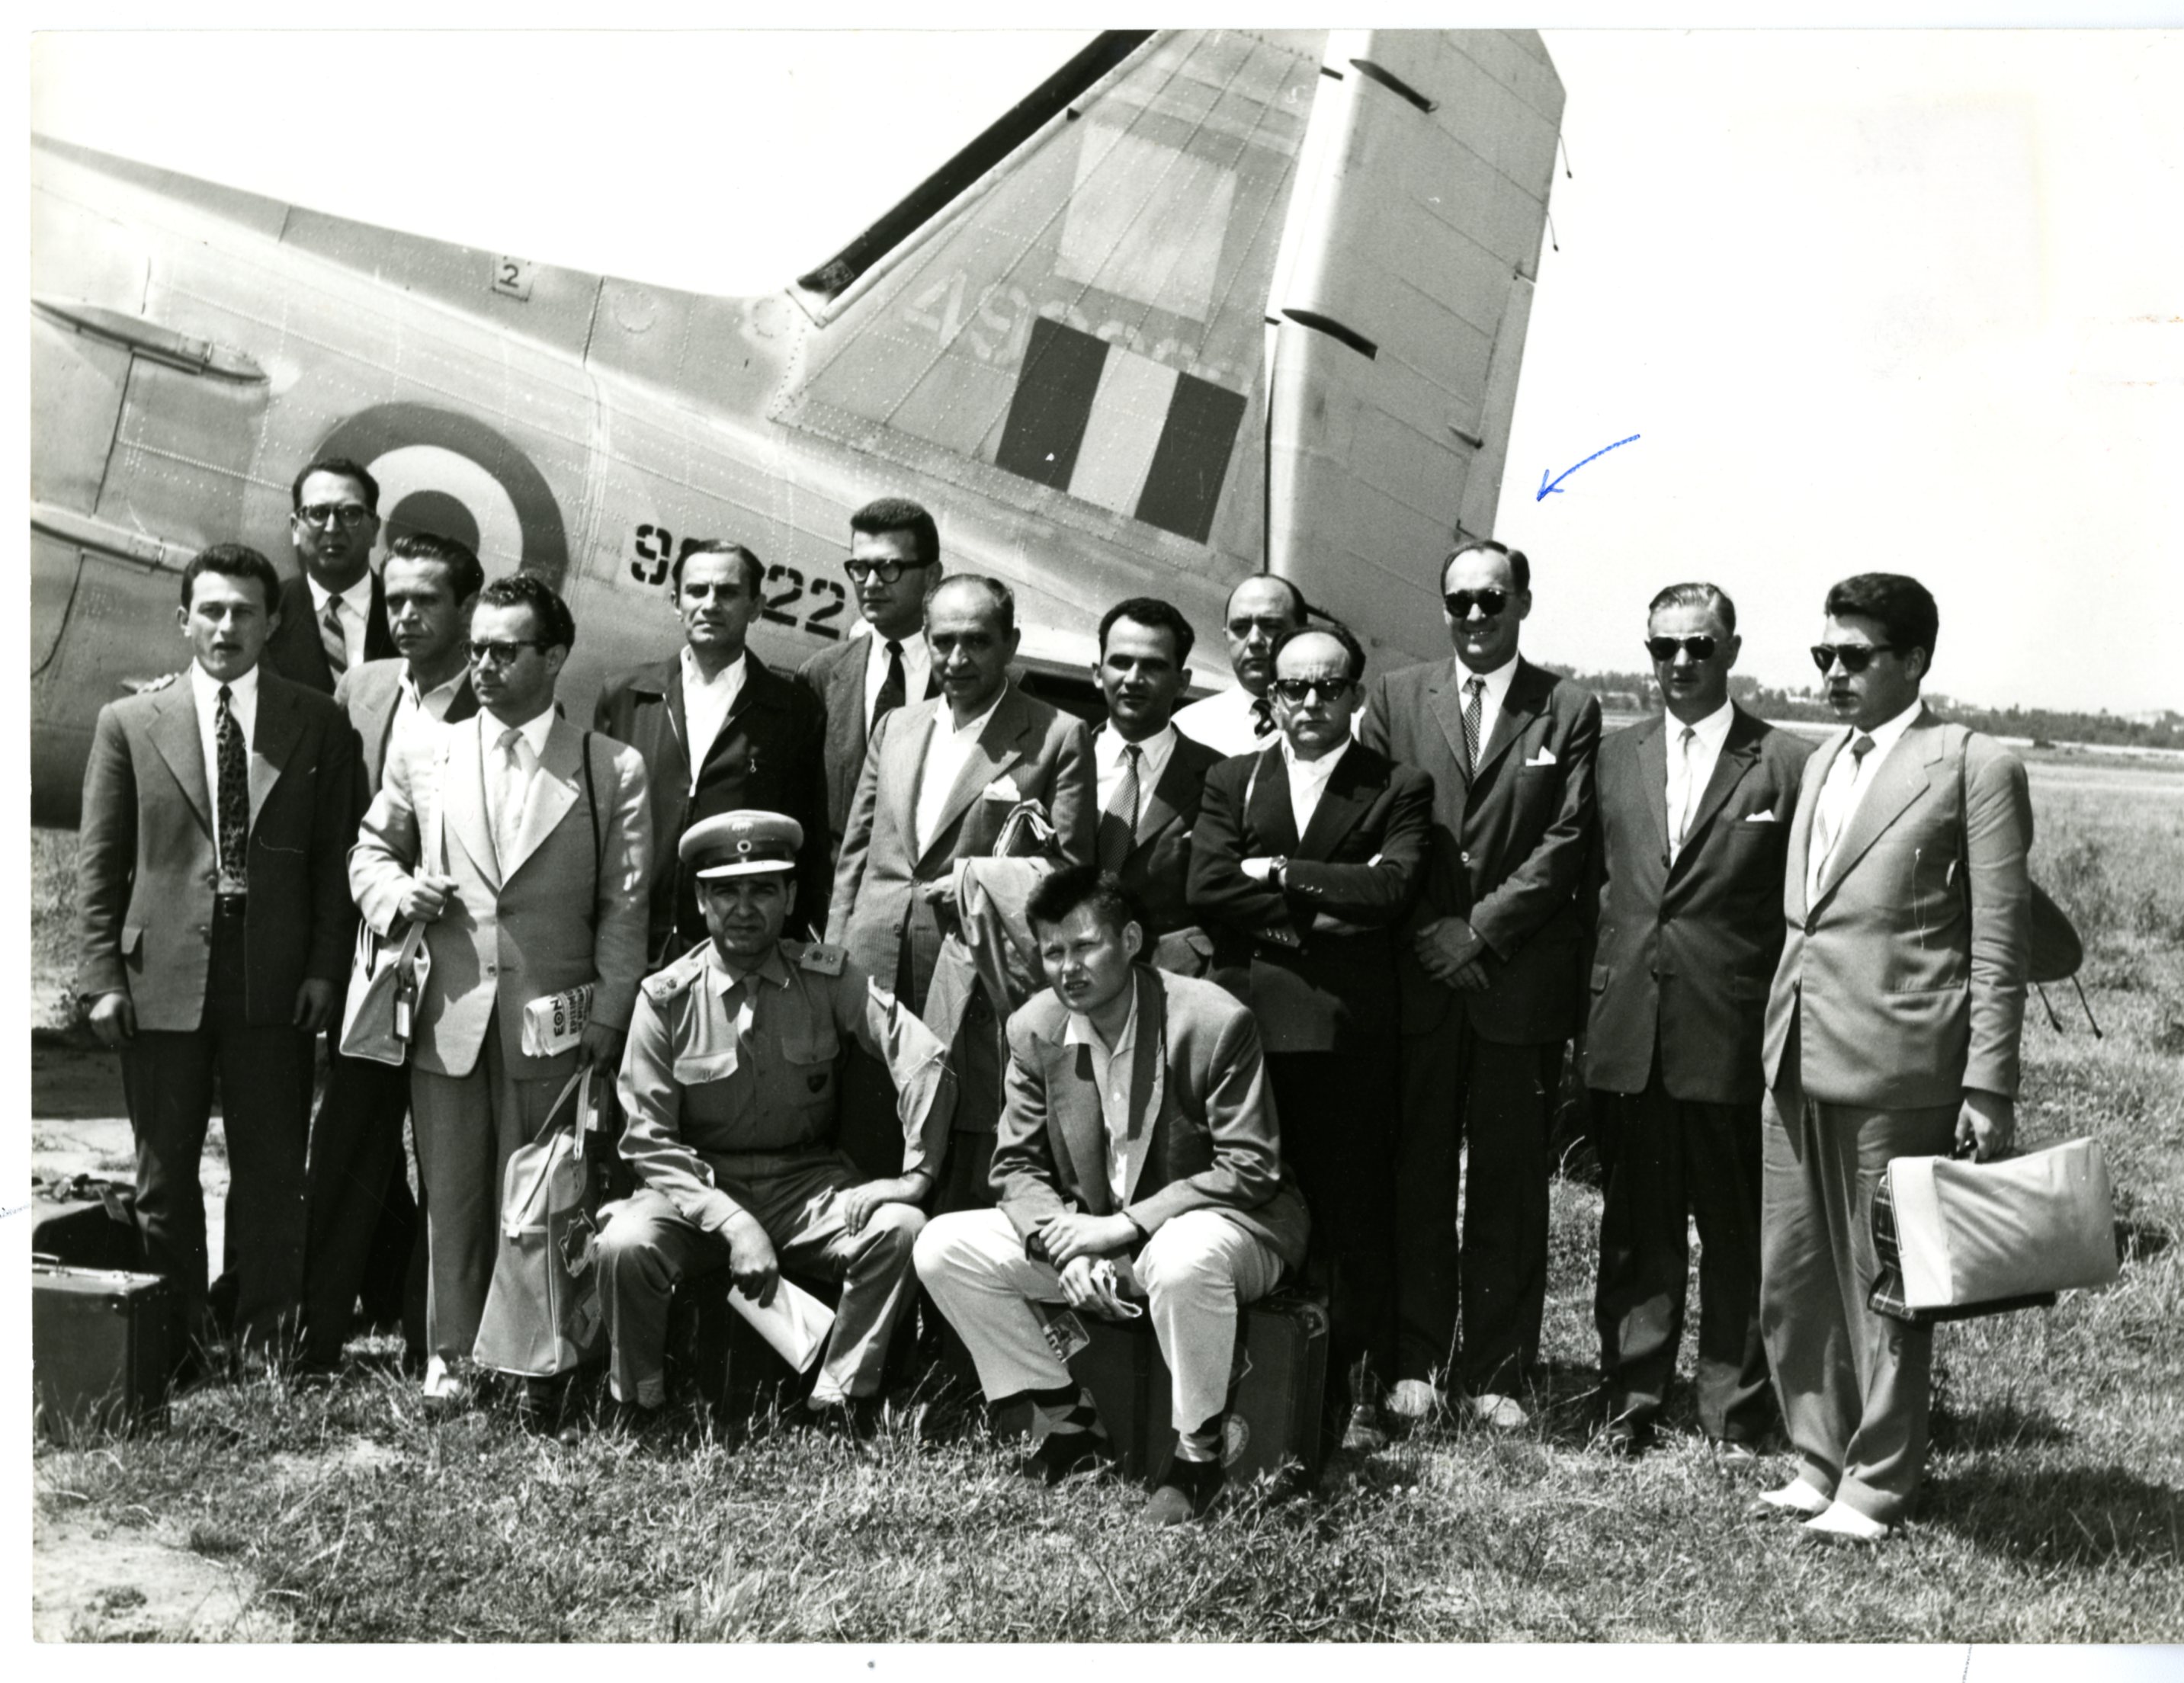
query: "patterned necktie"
332, 638
1118, 823
234, 797
508, 806
1262, 716
1834, 813
1474, 691
1684, 806
895, 688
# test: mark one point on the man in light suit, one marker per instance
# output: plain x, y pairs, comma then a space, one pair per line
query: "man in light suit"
1159, 1179
1490, 981
1305, 861
1151, 777
334, 615
939, 781
523, 844
1891, 1031
1695, 810
367, 1238
894, 563
719, 732
213, 928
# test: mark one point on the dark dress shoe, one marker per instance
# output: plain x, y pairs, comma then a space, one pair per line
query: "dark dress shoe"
1187, 1491
1629, 1438
1062, 1455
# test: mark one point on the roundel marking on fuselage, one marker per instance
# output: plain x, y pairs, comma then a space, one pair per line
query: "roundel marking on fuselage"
489, 480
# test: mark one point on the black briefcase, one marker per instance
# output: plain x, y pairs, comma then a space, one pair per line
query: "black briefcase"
102, 1347
89, 1223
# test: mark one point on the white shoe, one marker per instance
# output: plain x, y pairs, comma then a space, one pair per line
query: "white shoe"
1797, 1498
1841, 1523
443, 1385
1415, 1399
1503, 1413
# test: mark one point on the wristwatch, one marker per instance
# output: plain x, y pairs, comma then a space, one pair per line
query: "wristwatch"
1278, 871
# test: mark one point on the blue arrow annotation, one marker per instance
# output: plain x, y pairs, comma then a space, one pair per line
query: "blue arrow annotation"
1555, 486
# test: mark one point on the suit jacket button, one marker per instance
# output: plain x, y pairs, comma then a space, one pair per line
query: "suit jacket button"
1467, 858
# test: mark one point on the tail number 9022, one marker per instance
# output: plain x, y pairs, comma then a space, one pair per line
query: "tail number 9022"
815, 606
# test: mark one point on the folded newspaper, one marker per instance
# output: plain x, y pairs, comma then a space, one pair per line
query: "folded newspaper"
555, 1022
795, 1324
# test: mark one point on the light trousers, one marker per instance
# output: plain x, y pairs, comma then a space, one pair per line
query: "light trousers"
1197, 1271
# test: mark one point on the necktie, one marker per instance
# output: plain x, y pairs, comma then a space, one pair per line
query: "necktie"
508, 804
1835, 812
1474, 691
895, 688
1685, 802
234, 796
1262, 716
332, 638
1118, 823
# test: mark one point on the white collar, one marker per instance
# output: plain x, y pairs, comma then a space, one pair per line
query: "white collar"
358, 596
446, 687
1497, 681
693, 676
1711, 731
943, 721
1886, 734
1319, 769
535, 730
241, 691
1079, 1031
1108, 745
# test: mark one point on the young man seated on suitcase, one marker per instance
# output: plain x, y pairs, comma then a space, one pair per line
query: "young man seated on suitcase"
728, 1086
1169, 1187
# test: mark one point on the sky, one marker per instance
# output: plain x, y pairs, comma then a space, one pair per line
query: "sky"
1907, 301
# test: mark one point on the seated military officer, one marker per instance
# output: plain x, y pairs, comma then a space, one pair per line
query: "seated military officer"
728, 1087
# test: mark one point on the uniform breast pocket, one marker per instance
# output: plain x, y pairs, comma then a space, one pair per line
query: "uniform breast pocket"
809, 1058
695, 1069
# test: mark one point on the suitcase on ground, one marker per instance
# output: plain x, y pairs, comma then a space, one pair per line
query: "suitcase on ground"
1277, 1387
90, 1223
102, 1347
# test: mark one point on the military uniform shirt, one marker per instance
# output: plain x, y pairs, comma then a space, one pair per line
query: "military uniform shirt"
720, 1069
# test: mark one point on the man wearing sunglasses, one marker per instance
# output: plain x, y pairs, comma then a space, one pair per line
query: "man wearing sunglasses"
334, 616
1489, 973
895, 566
1891, 1031
1304, 863
1686, 886
1261, 611
522, 844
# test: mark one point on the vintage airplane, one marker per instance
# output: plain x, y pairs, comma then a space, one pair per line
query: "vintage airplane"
1203, 303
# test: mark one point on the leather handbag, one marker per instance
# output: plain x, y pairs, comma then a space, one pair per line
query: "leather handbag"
542, 1313
380, 1011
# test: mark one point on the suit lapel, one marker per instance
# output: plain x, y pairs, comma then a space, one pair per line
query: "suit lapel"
673, 771
995, 750
1653, 773
273, 737
466, 809
908, 735
1148, 1074
1901, 780
1446, 697
1073, 1103
1342, 804
1269, 812
1168, 796
1740, 753
175, 732
757, 692
1519, 707
552, 792
1798, 865
464, 705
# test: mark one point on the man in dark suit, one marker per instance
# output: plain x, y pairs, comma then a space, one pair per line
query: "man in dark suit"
214, 927
1489, 983
719, 732
367, 1236
334, 615
1891, 1031
1138, 1159
1150, 776
1694, 812
894, 563
939, 781
1306, 859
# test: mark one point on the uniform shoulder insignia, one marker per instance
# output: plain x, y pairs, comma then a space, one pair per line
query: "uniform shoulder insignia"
824, 960
675, 978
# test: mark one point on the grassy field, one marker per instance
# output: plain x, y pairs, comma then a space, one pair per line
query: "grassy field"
2054, 1511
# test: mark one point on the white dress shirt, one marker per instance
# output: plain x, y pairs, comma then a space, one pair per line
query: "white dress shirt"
243, 702
1848, 779
1223, 723
917, 672
507, 786
1113, 1068
1308, 782
355, 612
706, 705
945, 752
420, 717
1108, 758
1489, 698
1690, 767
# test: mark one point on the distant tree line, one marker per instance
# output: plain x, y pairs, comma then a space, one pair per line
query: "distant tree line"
1620, 691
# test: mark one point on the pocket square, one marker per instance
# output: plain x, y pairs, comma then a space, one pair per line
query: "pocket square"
1003, 788
1545, 756
1761, 818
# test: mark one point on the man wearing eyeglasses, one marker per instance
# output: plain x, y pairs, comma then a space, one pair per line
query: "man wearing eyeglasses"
720, 732
1686, 887
334, 616
894, 565
1891, 1031
1304, 863
1261, 611
522, 844
1489, 984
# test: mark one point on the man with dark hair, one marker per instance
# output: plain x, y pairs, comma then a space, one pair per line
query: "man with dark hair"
214, 928
1260, 611
522, 844
940, 783
1687, 890
894, 564
1891, 1031
1139, 1157
1305, 861
367, 1238
719, 732
1149, 777
1489, 985
334, 615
